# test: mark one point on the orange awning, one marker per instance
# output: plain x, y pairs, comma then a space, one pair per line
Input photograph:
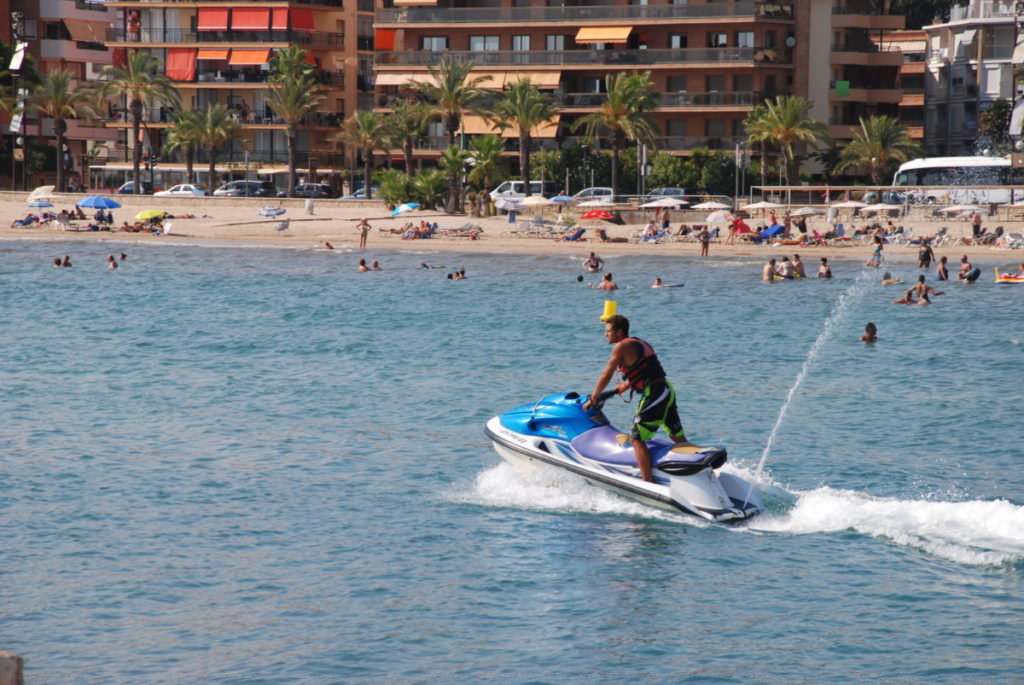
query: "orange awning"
181, 64
279, 19
549, 129
544, 80
249, 57
212, 53
302, 20
86, 31
250, 19
493, 80
384, 39
212, 19
474, 125
393, 78
415, 3
603, 34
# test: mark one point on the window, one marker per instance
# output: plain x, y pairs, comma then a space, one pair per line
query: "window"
769, 84
677, 41
434, 43
521, 43
483, 43
554, 42
677, 84
742, 83
435, 129
744, 39
676, 128
714, 128
769, 39
718, 39
715, 83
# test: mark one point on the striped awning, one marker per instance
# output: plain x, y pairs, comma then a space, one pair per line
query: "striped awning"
212, 53
604, 34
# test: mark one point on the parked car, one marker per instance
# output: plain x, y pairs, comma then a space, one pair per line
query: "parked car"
128, 188
597, 193
182, 189
675, 193
516, 190
314, 190
361, 194
247, 189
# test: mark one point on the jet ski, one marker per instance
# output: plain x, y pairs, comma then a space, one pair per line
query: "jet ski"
558, 431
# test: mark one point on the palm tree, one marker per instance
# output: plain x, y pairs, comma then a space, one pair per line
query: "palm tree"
365, 131
185, 135
784, 123
142, 84
523, 108
57, 98
453, 90
487, 161
406, 123
880, 143
216, 128
294, 93
623, 115
453, 163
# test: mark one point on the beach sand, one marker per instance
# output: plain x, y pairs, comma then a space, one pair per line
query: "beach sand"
235, 222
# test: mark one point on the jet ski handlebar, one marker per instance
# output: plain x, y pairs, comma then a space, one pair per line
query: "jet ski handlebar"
603, 397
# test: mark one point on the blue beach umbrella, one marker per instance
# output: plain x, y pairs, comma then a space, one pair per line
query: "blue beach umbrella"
99, 202
40, 203
563, 199
405, 207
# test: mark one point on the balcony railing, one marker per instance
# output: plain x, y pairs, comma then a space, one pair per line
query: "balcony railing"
326, 40
523, 15
562, 58
594, 100
667, 143
867, 7
230, 76
250, 118
982, 9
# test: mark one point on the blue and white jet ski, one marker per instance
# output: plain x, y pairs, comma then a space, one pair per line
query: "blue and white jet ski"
557, 430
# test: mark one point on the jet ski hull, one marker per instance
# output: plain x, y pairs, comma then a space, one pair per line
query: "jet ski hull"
557, 432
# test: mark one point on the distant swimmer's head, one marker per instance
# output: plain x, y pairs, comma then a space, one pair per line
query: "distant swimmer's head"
886, 276
579, 279
920, 279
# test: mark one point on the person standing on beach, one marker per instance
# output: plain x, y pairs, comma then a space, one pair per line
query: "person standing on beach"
976, 224
705, 240
642, 372
364, 229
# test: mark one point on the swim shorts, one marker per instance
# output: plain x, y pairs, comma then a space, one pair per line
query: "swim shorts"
657, 407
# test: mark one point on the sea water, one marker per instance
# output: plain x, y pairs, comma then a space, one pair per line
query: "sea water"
257, 465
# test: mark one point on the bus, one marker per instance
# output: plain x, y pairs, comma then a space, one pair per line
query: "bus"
958, 180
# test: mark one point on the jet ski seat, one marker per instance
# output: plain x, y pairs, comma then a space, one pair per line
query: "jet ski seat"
608, 445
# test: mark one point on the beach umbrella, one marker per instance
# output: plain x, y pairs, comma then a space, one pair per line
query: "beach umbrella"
43, 193
719, 215
507, 203
764, 204
850, 204
99, 202
772, 231
147, 214
602, 214
806, 211
563, 199
40, 203
271, 212
710, 204
881, 207
535, 201
405, 207
670, 202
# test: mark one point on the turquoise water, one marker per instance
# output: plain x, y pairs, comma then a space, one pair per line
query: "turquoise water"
256, 465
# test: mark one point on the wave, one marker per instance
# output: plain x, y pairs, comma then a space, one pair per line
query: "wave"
972, 532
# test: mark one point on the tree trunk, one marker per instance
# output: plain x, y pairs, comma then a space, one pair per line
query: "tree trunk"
213, 164
190, 162
367, 172
407, 152
59, 127
615, 166
136, 109
290, 138
524, 158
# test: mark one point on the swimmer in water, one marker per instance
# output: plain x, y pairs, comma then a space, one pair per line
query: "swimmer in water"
870, 333
657, 283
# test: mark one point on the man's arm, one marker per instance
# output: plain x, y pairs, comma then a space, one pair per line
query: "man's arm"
606, 375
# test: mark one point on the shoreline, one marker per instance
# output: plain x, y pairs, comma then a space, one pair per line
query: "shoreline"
234, 222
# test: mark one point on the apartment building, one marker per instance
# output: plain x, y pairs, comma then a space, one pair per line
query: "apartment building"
711, 62
970, 64
218, 52
66, 34
844, 65
913, 44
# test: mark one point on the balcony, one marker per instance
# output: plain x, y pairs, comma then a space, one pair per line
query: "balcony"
686, 143
866, 57
217, 78
871, 95
175, 36
433, 16
588, 101
162, 118
858, 14
585, 58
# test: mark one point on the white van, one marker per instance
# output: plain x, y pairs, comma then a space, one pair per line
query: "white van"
517, 190
594, 194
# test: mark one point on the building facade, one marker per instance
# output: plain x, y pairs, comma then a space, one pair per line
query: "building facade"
218, 52
710, 62
970, 65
